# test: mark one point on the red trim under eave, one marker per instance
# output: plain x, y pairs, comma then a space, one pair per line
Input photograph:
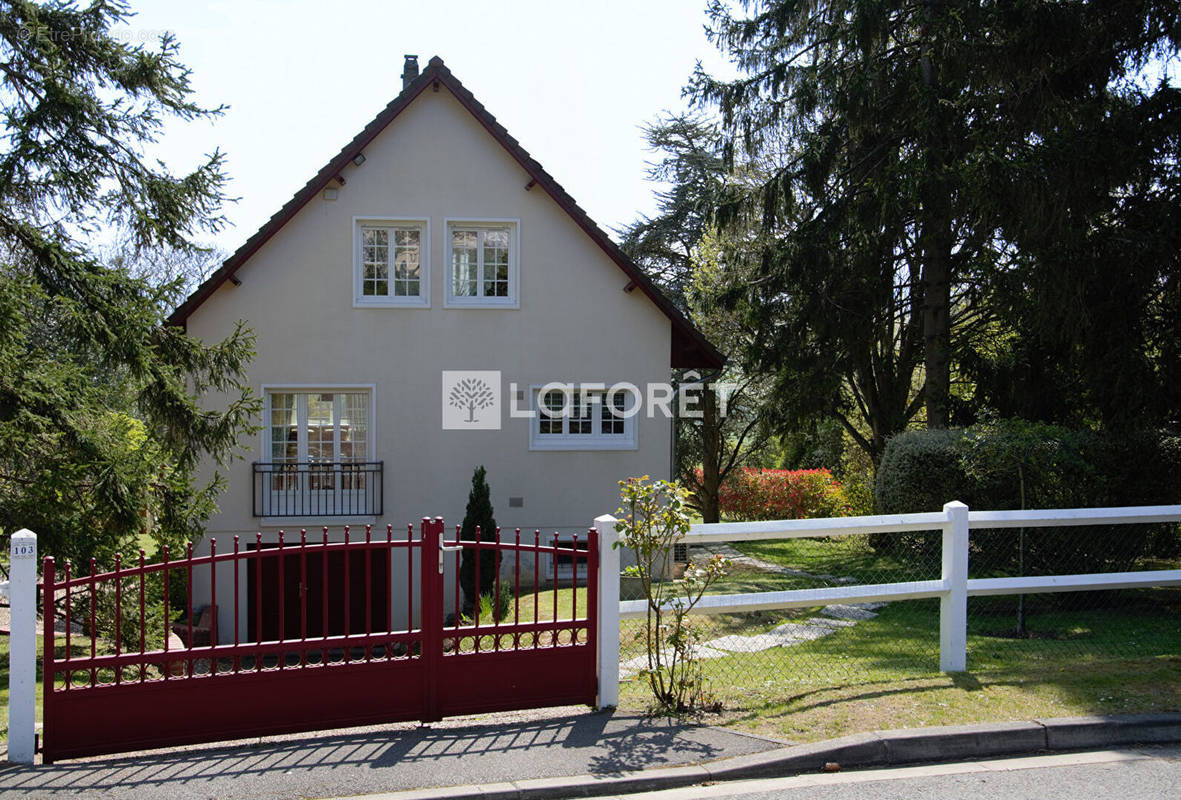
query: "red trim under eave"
689, 348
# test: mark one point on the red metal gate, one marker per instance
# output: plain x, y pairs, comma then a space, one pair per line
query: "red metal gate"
115, 680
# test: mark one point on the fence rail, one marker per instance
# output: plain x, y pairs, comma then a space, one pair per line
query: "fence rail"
808, 528
956, 522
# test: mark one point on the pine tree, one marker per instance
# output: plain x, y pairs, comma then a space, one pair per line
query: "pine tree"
922, 157
678, 248
478, 515
101, 431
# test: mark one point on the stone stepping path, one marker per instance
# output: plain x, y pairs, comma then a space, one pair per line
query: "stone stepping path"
832, 617
784, 636
857, 613
703, 553
632, 666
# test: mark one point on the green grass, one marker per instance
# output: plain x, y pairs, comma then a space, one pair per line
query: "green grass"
883, 673
543, 604
1084, 654
741, 580
847, 556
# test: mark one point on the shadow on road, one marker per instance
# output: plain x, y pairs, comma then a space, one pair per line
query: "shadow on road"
407, 756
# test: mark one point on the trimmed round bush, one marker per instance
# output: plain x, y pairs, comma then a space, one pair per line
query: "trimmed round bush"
1013, 464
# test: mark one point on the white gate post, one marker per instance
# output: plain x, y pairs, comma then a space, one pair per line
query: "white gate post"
608, 644
953, 605
22, 654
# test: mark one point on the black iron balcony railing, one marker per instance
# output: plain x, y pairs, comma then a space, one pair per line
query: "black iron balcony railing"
318, 489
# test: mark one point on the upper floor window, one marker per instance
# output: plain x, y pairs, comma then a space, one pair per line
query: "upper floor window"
391, 261
482, 263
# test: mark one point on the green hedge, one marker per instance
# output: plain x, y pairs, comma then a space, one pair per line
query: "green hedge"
1011, 464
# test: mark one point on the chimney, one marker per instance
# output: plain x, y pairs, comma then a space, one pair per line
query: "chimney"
409, 71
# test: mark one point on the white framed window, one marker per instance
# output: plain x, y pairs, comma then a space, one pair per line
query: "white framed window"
483, 258
391, 262
577, 419
318, 458
566, 562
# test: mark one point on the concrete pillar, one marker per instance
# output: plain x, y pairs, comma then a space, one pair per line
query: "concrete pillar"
22, 654
953, 605
608, 644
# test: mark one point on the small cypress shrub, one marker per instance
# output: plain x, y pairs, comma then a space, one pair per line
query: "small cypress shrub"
500, 610
479, 514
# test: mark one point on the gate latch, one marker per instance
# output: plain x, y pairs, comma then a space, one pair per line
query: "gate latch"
444, 549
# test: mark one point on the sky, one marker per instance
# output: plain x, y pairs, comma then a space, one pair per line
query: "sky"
574, 82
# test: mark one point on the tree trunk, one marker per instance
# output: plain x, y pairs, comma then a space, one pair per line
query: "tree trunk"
937, 307
711, 456
710, 508
936, 236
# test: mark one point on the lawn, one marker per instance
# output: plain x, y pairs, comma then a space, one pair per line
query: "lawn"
1083, 653
542, 604
847, 556
883, 673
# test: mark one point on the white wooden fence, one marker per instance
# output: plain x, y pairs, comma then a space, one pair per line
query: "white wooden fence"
953, 588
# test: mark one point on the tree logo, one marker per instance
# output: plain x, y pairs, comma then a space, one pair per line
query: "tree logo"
472, 394
471, 400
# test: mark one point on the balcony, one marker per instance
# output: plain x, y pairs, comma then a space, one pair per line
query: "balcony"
318, 489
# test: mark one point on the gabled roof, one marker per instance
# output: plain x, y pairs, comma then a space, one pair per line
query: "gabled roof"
689, 347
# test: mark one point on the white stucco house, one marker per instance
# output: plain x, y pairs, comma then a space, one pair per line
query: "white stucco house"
433, 242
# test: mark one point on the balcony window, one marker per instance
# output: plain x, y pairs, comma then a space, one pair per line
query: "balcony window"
319, 448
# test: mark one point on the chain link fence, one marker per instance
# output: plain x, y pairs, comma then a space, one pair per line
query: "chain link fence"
1074, 629
762, 658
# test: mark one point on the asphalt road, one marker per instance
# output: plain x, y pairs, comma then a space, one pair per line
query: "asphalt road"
1140, 773
550, 743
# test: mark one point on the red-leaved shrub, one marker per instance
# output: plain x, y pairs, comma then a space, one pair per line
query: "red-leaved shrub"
751, 494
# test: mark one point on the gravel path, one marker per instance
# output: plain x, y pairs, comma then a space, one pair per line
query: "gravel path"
704, 552
832, 617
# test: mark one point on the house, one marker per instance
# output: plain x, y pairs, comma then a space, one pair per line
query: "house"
431, 249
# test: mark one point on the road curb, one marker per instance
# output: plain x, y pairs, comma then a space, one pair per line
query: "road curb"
883, 748
1075, 733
